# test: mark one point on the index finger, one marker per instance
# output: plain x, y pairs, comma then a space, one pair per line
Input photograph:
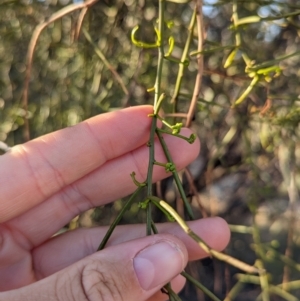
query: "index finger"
32, 172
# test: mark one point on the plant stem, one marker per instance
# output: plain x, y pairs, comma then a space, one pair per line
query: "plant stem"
150, 173
200, 286
221, 256
198, 81
161, 54
264, 282
184, 56
157, 95
175, 175
105, 61
234, 291
238, 40
117, 219
170, 133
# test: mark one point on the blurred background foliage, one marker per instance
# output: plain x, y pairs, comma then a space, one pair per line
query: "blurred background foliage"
248, 169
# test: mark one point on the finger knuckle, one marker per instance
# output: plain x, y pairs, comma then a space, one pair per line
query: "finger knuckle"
100, 284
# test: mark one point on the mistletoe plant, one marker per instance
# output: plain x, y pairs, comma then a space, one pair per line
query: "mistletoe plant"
257, 73
169, 166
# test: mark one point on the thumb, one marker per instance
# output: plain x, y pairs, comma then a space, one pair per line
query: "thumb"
131, 271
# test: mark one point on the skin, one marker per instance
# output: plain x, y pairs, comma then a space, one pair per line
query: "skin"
48, 181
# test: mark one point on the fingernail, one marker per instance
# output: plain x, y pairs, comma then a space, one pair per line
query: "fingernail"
158, 264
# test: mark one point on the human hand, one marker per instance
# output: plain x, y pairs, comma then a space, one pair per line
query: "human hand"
49, 180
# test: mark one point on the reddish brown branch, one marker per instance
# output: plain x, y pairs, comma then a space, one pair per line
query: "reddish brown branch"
200, 30
31, 47
194, 191
80, 21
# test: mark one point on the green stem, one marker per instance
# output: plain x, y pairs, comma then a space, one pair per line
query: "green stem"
161, 53
160, 164
238, 40
150, 174
183, 59
253, 83
221, 256
187, 139
157, 96
175, 175
241, 229
105, 61
154, 229
172, 295
235, 19
118, 218
283, 16
234, 291
244, 278
272, 62
282, 293
159, 103
200, 286
264, 282
286, 260
148, 219
156, 201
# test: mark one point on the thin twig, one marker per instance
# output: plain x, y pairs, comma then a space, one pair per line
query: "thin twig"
175, 175
118, 218
234, 291
79, 22
105, 61
264, 281
294, 197
180, 115
200, 286
221, 256
157, 94
195, 193
30, 51
184, 56
197, 87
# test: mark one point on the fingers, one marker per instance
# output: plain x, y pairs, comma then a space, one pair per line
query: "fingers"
75, 245
36, 170
108, 182
132, 271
